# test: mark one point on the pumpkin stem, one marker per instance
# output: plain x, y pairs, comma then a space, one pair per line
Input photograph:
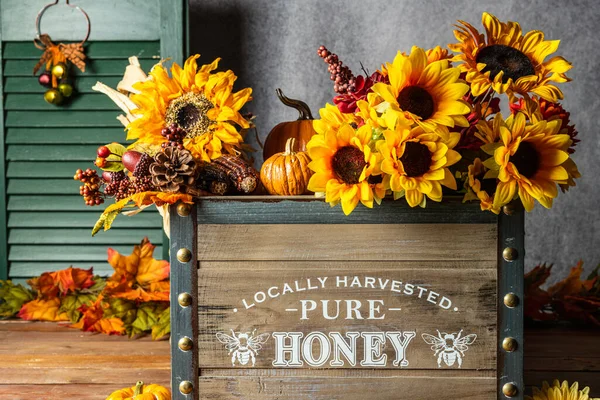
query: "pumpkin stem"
139, 388
289, 146
299, 105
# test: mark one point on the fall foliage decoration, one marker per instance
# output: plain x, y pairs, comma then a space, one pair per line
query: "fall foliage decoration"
286, 173
133, 301
301, 129
573, 299
141, 392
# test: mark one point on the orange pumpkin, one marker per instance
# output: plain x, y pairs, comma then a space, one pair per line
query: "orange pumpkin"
287, 173
141, 392
301, 129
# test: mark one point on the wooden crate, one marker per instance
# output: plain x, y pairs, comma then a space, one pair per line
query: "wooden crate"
290, 299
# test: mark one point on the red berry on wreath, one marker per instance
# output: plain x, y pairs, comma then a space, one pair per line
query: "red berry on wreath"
45, 79
103, 151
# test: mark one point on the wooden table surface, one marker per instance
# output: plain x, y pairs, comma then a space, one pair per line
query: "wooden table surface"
45, 361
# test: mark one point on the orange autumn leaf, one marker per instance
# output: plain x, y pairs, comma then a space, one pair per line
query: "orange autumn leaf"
50, 284
42, 310
160, 198
92, 319
163, 286
110, 326
573, 284
140, 294
139, 266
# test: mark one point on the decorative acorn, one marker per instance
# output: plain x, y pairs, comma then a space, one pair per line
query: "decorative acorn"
65, 89
59, 70
53, 96
45, 79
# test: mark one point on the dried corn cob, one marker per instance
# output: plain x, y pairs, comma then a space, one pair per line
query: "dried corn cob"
214, 179
243, 175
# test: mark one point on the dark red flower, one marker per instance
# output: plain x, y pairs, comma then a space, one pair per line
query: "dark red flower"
346, 103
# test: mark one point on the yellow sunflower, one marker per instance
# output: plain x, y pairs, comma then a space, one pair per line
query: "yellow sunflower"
560, 391
332, 118
416, 163
508, 61
528, 160
428, 93
480, 189
345, 167
199, 101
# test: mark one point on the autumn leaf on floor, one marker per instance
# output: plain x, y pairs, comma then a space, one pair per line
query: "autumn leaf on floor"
141, 295
537, 300
51, 284
125, 310
140, 266
71, 303
93, 319
148, 315
42, 310
12, 298
163, 327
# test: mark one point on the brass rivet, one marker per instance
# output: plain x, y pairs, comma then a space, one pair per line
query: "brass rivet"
511, 300
183, 210
509, 344
510, 254
509, 209
510, 389
184, 255
184, 299
185, 343
186, 387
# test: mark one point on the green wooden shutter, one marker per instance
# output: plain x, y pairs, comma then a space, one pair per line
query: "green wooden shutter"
44, 223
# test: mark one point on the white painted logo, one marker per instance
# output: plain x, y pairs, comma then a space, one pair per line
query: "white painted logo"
449, 347
243, 347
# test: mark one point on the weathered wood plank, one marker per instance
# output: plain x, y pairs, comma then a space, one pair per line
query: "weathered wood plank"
55, 373
65, 252
82, 236
409, 297
121, 49
30, 84
426, 387
63, 219
308, 210
51, 119
347, 242
99, 69
79, 391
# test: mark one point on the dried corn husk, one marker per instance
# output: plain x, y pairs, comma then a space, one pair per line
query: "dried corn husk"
133, 74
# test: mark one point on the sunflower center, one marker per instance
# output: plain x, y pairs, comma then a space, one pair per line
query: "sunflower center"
509, 60
416, 159
416, 100
348, 163
189, 113
526, 159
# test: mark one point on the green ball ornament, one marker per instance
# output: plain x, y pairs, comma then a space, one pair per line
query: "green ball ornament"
59, 70
65, 89
53, 96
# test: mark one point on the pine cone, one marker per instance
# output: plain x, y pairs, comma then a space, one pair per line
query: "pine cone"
173, 170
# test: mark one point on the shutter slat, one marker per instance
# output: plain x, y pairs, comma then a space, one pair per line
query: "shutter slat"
21, 269
93, 50
64, 202
16, 84
96, 136
50, 119
29, 169
66, 253
45, 186
86, 153
98, 69
61, 219
24, 101
83, 236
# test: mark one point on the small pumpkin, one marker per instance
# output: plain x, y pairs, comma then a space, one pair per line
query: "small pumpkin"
286, 173
301, 129
141, 392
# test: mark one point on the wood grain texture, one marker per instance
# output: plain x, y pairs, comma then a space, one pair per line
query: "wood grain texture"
425, 387
309, 210
471, 288
402, 242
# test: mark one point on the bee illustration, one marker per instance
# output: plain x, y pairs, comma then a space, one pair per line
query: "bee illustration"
450, 347
243, 346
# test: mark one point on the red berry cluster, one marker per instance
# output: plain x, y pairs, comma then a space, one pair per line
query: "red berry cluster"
174, 135
103, 152
345, 81
90, 190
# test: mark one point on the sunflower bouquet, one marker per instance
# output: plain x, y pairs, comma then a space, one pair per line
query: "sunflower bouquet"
432, 117
188, 136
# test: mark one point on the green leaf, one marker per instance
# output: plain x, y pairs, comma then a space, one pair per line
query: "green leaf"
147, 316
12, 298
124, 309
116, 149
70, 304
163, 327
113, 166
150, 149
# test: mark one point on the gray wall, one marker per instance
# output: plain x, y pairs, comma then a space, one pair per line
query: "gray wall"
272, 43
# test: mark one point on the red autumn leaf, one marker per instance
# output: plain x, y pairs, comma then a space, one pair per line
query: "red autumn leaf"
92, 319
42, 310
572, 285
141, 295
537, 300
139, 266
50, 284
